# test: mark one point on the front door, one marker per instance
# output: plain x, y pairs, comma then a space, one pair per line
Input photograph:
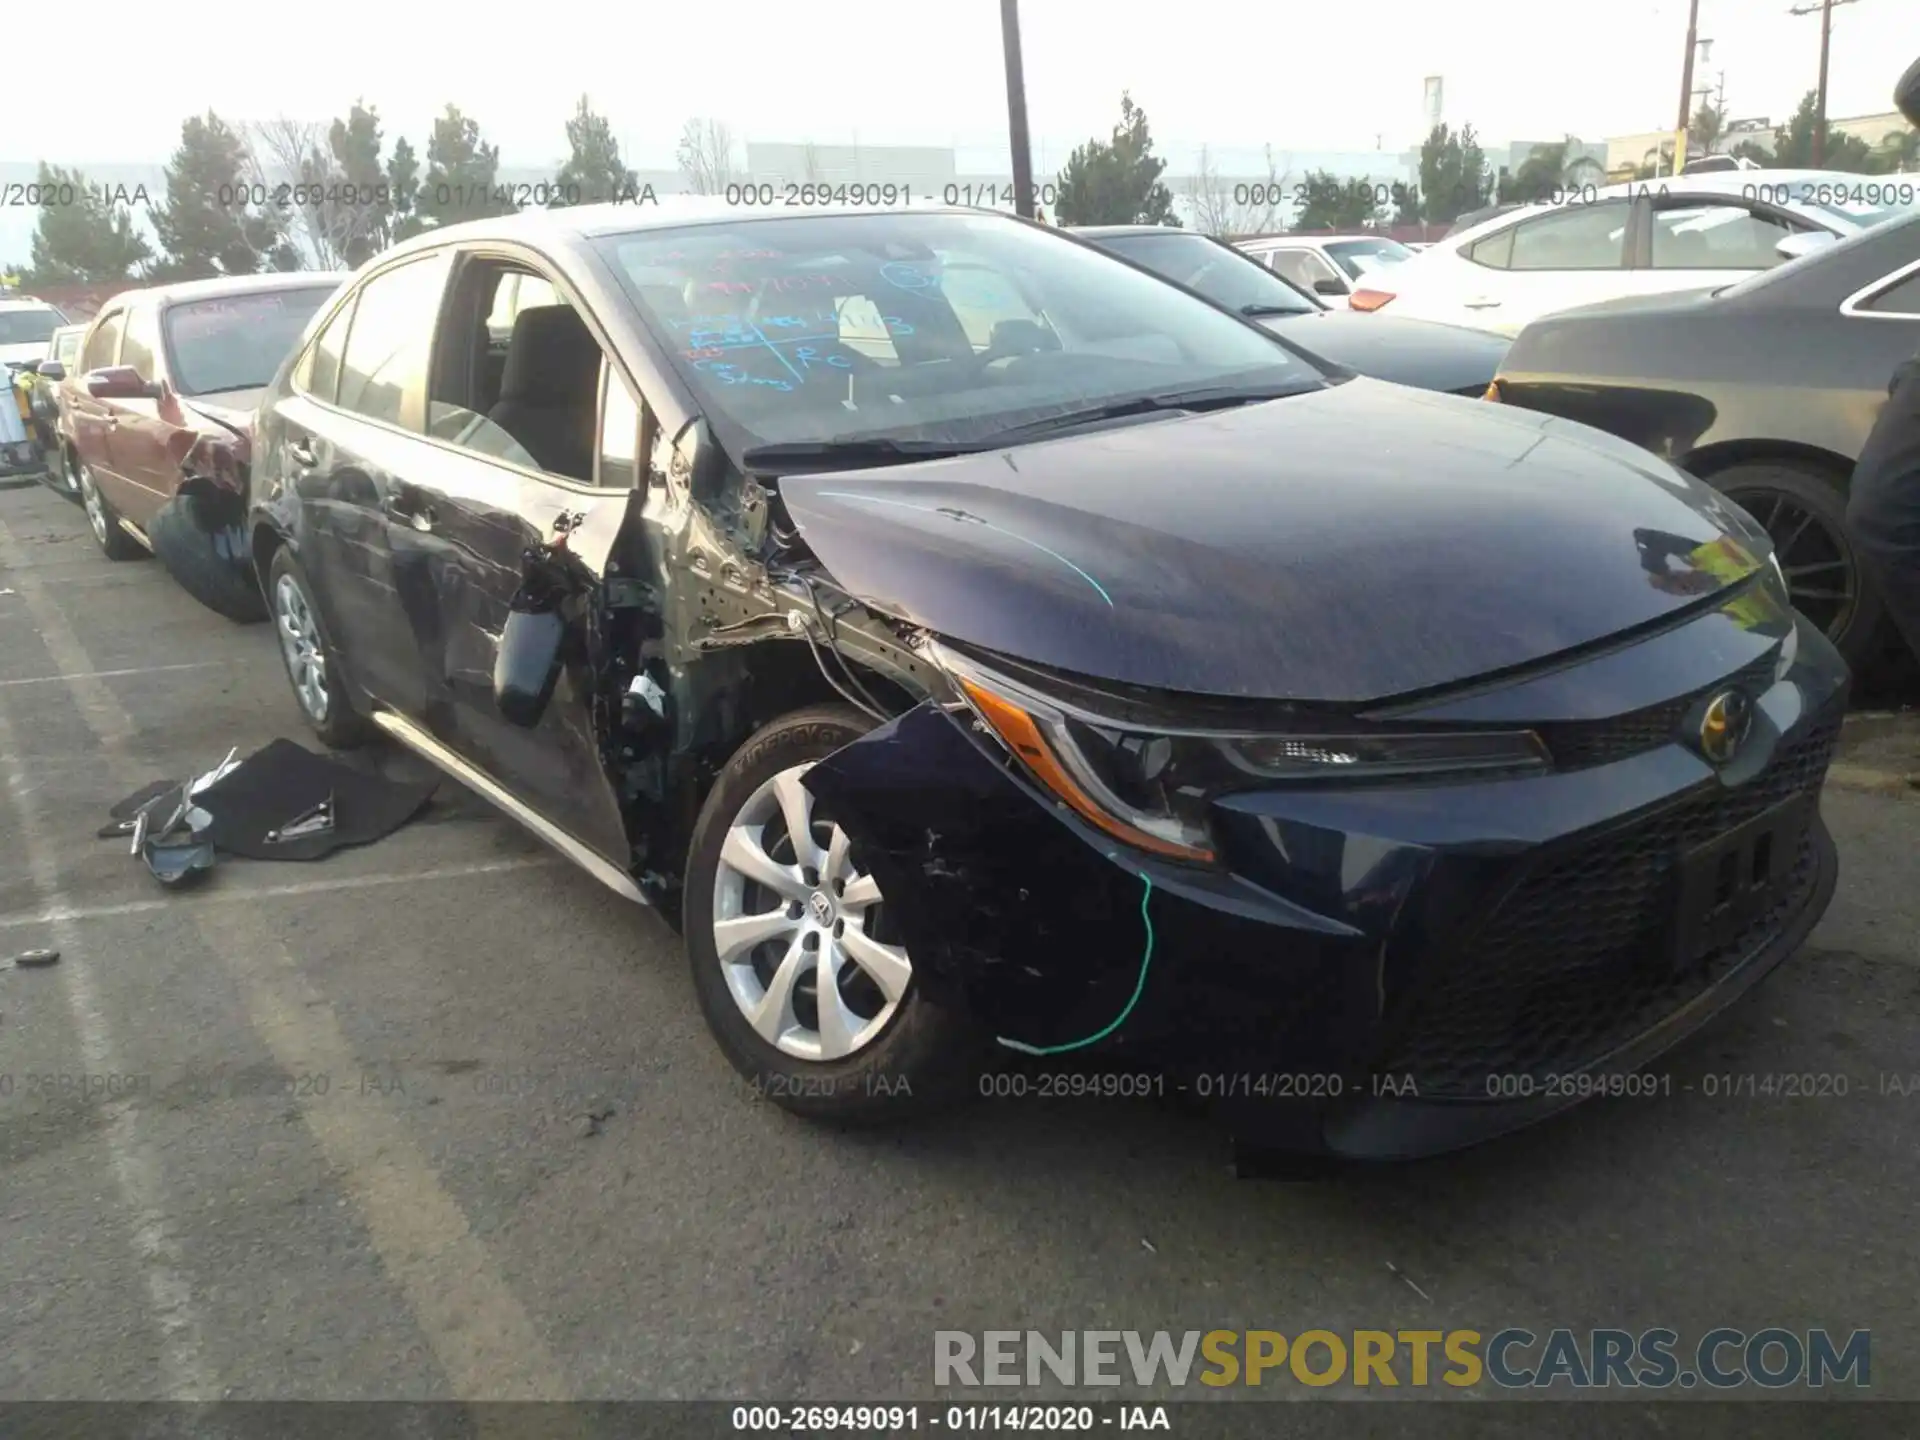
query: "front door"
91, 421
542, 462
144, 428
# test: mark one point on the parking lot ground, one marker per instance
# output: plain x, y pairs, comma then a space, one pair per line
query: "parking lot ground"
438, 1119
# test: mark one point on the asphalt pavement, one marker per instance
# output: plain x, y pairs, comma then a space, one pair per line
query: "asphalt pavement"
438, 1118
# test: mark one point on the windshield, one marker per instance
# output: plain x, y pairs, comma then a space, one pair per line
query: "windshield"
236, 342
932, 328
1223, 275
1357, 256
29, 327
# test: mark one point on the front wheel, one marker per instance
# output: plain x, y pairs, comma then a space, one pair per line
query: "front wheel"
799, 969
1806, 514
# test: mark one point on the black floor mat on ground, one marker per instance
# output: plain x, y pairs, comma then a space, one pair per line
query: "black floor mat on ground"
282, 785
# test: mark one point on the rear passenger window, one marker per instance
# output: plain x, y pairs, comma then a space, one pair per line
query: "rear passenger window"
1901, 299
1495, 252
103, 345
319, 372
383, 373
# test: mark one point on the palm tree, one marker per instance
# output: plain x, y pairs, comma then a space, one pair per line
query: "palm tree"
1896, 153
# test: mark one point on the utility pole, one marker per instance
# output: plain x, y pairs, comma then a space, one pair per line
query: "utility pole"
1017, 109
1686, 88
1825, 9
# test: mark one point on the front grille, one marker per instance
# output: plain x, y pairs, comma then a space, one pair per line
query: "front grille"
1573, 963
1575, 744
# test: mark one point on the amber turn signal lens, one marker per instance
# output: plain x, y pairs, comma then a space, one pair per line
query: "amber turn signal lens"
1368, 300
1493, 390
1022, 735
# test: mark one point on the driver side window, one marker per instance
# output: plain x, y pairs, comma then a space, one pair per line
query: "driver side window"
103, 345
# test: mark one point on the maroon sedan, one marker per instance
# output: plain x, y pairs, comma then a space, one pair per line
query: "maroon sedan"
160, 409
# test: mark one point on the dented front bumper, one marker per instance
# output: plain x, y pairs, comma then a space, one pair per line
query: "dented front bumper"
1382, 972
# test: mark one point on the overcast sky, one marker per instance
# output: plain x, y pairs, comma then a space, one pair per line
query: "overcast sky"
1234, 73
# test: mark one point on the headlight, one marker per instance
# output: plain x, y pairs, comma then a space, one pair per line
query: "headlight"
1152, 786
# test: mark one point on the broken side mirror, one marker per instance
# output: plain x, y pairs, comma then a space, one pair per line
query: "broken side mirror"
526, 666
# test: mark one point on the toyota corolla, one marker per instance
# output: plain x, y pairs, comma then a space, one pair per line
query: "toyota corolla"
977, 645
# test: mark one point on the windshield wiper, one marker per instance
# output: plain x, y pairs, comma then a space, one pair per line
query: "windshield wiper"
1213, 397
1256, 311
874, 451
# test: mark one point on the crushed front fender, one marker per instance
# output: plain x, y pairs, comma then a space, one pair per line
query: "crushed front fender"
1056, 939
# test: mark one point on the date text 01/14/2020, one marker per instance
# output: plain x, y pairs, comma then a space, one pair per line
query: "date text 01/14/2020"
893, 1419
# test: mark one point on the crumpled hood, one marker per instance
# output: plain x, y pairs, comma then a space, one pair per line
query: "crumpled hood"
1346, 545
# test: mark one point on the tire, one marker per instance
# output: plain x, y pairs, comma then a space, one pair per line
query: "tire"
906, 1056
213, 566
68, 482
1830, 589
307, 654
104, 520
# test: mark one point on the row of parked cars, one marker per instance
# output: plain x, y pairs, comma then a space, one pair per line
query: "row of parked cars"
982, 639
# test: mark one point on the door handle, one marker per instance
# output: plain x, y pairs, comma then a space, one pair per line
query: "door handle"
1482, 302
302, 451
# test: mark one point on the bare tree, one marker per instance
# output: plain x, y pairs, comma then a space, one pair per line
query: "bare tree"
705, 155
327, 224
1226, 208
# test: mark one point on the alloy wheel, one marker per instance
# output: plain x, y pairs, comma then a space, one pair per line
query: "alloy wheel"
1817, 561
301, 647
799, 931
96, 507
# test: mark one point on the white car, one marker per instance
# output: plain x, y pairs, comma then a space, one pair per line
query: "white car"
1647, 237
25, 328
1330, 266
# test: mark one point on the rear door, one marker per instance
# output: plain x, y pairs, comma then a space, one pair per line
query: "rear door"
353, 437
559, 454
1576, 255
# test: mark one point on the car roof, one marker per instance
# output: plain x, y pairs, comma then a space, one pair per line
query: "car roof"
1101, 232
1712, 182
221, 286
575, 223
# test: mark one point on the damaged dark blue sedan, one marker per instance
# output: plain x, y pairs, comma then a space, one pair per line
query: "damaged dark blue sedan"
976, 644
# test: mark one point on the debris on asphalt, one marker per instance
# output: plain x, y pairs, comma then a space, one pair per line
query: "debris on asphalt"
1149, 1245
1409, 1279
35, 959
587, 1124
282, 802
